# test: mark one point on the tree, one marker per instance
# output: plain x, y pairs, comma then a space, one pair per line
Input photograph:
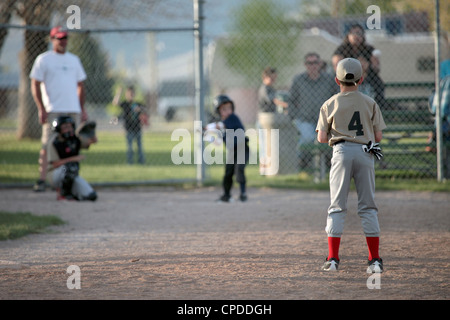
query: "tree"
99, 83
37, 15
6, 11
37, 12
341, 8
261, 35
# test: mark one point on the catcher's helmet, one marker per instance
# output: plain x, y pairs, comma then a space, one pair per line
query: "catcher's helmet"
56, 124
220, 100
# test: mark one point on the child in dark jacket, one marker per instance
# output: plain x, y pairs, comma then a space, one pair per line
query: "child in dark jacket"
235, 158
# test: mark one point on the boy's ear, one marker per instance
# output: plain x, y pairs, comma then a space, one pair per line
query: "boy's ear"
360, 80
337, 81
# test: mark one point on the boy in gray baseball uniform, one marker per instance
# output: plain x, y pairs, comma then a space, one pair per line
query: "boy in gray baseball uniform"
352, 124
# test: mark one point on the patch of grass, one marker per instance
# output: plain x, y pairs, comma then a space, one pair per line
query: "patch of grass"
19, 224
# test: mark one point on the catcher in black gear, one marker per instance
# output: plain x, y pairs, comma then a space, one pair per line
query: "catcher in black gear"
64, 158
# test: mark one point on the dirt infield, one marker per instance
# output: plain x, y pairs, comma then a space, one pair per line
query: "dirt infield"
169, 244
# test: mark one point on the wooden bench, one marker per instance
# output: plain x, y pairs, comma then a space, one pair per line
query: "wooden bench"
409, 122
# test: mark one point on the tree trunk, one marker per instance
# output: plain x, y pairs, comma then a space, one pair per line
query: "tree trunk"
6, 10
28, 120
34, 13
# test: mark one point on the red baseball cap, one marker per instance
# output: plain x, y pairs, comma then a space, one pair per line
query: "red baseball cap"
58, 32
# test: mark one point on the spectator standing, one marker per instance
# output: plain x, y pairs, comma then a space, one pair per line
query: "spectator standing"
355, 45
372, 86
267, 94
444, 104
309, 90
134, 117
268, 106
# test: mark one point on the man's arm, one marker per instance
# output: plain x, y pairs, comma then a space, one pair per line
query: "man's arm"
117, 96
294, 97
37, 97
81, 97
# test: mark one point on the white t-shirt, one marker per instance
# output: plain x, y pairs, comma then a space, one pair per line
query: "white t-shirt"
59, 75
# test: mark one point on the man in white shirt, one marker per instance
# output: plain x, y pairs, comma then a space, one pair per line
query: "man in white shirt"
57, 87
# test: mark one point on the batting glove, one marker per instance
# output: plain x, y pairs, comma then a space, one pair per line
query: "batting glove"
373, 148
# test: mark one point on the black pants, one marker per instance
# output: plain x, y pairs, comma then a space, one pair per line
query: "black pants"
238, 169
230, 170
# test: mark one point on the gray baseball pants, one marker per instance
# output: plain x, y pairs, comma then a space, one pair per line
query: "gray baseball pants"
350, 161
80, 188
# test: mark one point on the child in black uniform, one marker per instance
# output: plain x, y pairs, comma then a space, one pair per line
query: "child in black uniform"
235, 160
64, 158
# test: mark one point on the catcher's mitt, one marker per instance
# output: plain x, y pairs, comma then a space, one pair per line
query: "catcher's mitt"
87, 129
86, 134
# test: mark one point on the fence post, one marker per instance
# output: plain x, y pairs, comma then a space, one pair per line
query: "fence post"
437, 64
199, 84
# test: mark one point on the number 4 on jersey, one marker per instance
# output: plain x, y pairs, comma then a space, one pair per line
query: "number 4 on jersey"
355, 124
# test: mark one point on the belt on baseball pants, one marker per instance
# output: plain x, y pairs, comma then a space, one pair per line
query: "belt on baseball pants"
339, 141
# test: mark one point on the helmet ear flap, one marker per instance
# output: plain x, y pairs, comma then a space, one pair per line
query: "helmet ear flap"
232, 105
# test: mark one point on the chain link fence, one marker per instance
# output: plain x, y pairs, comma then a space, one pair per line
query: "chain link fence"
274, 59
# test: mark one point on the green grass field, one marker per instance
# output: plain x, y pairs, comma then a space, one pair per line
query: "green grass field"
105, 163
16, 225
